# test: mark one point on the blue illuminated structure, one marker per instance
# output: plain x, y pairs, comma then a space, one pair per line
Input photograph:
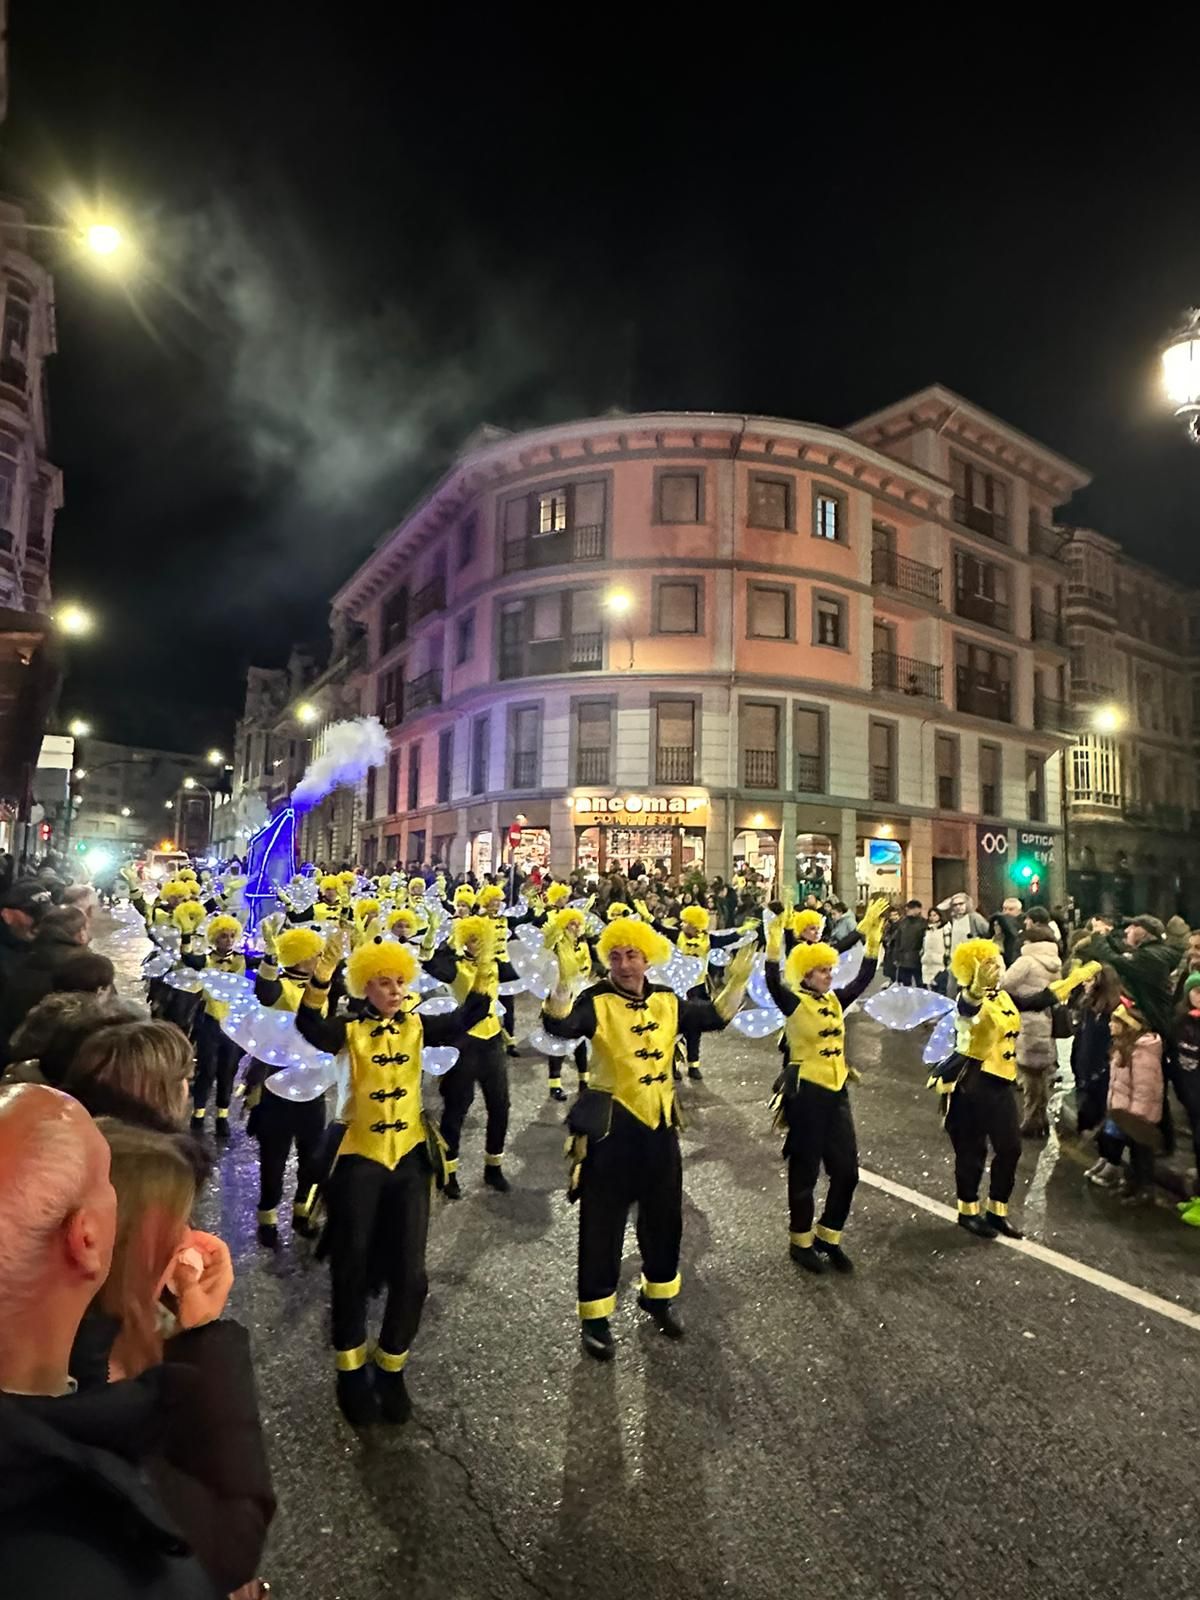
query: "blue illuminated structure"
270, 863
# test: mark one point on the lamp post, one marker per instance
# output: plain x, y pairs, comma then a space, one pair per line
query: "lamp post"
1181, 373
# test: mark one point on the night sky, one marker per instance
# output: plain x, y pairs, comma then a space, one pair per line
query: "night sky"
362, 240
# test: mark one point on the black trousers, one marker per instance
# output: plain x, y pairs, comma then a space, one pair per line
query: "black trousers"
1112, 1146
983, 1112
217, 1060
509, 1007
482, 1062
909, 977
1186, 1083
820, 1134
376, 1233
632, 1166
554, 1064
277, 1124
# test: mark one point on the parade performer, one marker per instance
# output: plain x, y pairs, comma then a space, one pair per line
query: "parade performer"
463, 902
977, 1081
813, 1102
490, 902
377, 1198
481, 1058
695, 940
625, 1142
283, 976
563, 934
216, 1055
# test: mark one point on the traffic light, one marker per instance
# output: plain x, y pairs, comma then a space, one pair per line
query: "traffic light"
44, 832
1025, 871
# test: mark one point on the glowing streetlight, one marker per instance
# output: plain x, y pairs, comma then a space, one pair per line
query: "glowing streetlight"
1108, 719
1181, 373
618, 602
125, 811
189, 783
79, 774
74, 620
168, 805
78, 728
103, 239
215, 758
306, 712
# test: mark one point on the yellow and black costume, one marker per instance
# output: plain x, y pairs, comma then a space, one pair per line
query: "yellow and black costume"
217, 1056
563, 933
814, 1103
377, 1198
695, 940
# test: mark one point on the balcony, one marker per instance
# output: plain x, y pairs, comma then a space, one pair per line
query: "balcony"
992, 524
587, 652
429, 599
675, 764
810, 777
891, 571
591, 766
584, 542
981, 696
1105, 799
760, 769
883, 783
1084, 594
1048, 543
982, 608
538, 658
389, 713
905, 675
422, 692
589, 542
1052, 716
1045, 627
525, 769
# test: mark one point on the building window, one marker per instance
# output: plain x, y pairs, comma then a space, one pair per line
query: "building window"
770, 504
758, 725
480, 735
395, 618
1096, 771
677, 497
676, 607
14, 347
393, 788
551, 511
547, 616
10, 453
464, 638
989, 779
414, 775
829, 515
369, 797
883, 760
525, 730
468, 540
675, 741
768, 611
829, 622
982, 681
445, 764
946, 769
416, 847
981, 591
1035, 787
980, 499
593, 741
810, 750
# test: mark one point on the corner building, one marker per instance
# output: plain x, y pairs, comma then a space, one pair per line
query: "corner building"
714, 640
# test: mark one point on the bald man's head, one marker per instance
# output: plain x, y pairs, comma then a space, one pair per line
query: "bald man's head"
57, 1207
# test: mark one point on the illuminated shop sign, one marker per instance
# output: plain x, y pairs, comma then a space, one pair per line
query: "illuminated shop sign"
646, 805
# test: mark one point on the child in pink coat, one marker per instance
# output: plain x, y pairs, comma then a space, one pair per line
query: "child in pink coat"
1135, 1102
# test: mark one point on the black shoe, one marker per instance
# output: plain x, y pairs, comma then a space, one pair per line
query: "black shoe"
394, 1402
356, 1397
805, 1256
979, 1226
495, 1179
664, 1314
451, 1190
221, 1128
558, 1094
304, 1227
834, 1254
268, 1235
597, 1340
196, 1126
512, 1050
1003, 1226
695, 1074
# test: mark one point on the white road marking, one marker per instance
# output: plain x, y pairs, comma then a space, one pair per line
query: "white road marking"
1051, 1258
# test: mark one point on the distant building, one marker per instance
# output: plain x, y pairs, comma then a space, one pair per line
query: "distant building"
131, 794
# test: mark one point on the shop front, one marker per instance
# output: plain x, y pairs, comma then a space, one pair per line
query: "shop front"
816, 860
881, 864
615, 832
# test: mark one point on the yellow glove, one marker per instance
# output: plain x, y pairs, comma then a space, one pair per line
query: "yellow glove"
871, 926
268, 932
485, 958
643, 910
327, 961
365, 933
737, 975
1062, 987
774, 940
986, 978
129, 873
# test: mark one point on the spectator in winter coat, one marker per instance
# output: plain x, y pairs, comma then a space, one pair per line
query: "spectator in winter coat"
1145, 963
45, 1044
61, 933
1007, 927
1039, 917
1135, 1102
935, 951
1189, 964
1091, 1049
965, 923
1183, 1069
1038, 965
907, 939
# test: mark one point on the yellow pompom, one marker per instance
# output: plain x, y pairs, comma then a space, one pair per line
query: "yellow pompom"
491, 895
968, 956
558, 894
569, 920
804, 958
694, 917
220, 925
365, 908
416, 887
618, 908
800, 920
630, 933
379, 958
298, 944
189, 915
329, 884
464, 895
404, 922
464, 929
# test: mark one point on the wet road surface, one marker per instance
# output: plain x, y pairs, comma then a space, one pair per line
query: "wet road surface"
956, 1419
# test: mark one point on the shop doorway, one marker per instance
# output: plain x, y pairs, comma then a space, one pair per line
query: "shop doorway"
602, 849
757, 852
949, 877
815, 859
482, 856
533, 851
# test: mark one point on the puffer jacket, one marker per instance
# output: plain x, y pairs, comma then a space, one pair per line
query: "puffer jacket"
1135, 1084
1038, 965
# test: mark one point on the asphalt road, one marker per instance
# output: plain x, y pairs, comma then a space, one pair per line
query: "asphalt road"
957, 1419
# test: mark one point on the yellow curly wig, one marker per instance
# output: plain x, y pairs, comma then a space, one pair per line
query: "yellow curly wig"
805, 919
379, 958
175, 890
297, 944
628, 933
365, 908
404, 919
491, 895
220, 925
330, 882
465, 928
618, 909
968, 956
559, 922
417, 886
694, 917
464, 895
189, 914
804, 958
558, 894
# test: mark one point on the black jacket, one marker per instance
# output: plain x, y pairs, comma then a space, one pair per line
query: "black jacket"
1007, 931
1146, 973
77, 1516
1090, 1051
13, 951
32, 979
906, 940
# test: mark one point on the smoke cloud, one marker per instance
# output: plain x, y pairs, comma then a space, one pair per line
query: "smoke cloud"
349, 751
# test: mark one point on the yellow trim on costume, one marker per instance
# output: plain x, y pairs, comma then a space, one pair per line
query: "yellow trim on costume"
386, 1362
555, 1083
493, 1161
968, 1208
265, 1217
350, 1360
829, 1235
802, 1240
222, 1113
451, 1165
303, 1208
198, 1112
593, 1310
661, 1291
998, 1208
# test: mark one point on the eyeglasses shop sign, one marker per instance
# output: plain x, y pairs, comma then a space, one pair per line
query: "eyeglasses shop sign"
1038, 846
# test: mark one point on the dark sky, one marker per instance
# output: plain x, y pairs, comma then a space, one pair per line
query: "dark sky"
362, 239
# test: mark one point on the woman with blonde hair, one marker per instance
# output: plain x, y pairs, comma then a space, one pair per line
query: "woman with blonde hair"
137, 1071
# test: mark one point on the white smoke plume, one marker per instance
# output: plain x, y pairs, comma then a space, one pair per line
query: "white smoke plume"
348, 752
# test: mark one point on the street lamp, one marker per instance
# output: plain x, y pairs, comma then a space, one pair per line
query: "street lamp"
126, 812
78, 728
168, 805
1108, 719
306, 712
216, 758
1181, 373
79, 774
74, 620
619, 603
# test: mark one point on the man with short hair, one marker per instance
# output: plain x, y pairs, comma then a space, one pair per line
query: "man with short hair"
1007, 927
907, 938
20, 909
76, 1514
1145, 963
